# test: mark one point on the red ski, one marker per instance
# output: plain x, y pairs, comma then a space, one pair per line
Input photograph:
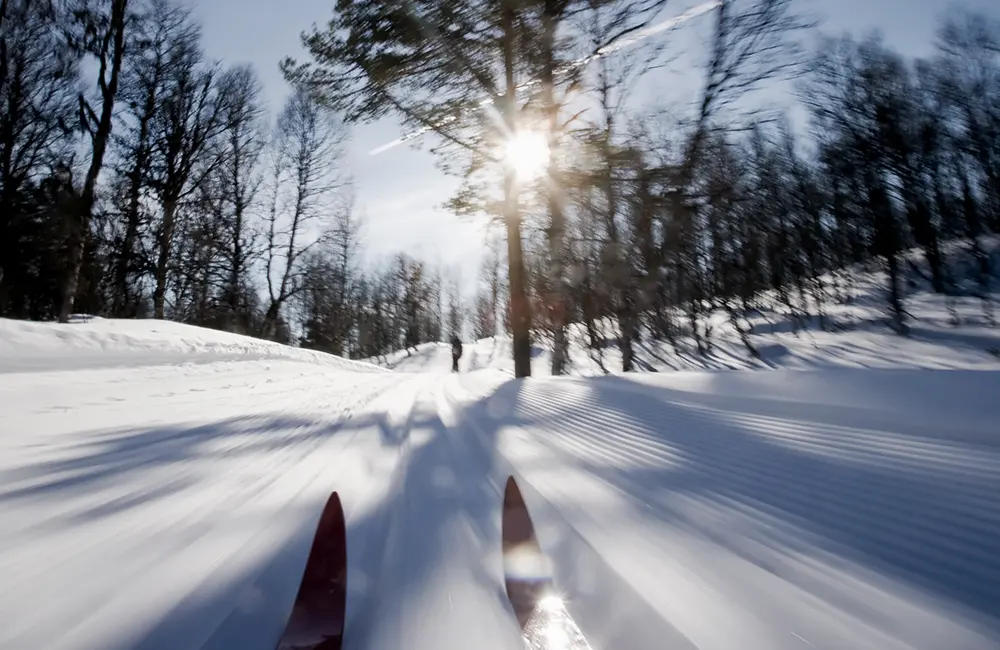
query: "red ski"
527, 575
538, 606
317, 618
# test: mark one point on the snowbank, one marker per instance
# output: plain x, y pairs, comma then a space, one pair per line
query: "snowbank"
96, 342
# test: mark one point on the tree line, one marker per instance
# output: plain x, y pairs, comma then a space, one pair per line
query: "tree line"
138, 178
669, 225
654, 221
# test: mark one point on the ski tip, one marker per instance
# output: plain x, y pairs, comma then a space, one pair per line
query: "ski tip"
317, 618
527, 570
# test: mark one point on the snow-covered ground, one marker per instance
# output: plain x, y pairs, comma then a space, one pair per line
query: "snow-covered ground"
167, 498
933, 343
91, 342
841, 509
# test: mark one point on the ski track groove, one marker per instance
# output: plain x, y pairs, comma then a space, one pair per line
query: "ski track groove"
185, 519
959, 537
742, 470
856, 531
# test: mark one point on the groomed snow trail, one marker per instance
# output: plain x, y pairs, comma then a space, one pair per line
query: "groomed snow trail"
850, 509
136, 503
170, 502
167, 498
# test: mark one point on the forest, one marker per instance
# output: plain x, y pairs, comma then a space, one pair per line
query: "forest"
140, 179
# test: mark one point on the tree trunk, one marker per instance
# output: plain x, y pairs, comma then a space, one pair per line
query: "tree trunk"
918, 215
895, 295
557, 220
163, 257
121, 299
80, 226
121, 307
520, 310
887, 236
270, 321
236, 272
131, 234
626, 324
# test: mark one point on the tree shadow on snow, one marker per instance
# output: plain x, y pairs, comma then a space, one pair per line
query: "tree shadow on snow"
248, 607
111, 458
442, 488
936, 530
445, 502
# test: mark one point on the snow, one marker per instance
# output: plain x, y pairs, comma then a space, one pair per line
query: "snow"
90, 342
160, 486
787, 520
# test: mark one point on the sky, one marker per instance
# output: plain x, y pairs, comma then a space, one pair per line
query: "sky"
400, 192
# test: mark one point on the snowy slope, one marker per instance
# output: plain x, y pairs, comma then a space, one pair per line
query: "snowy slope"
946, 333
169, 501
831, 510
90, 342
137, 501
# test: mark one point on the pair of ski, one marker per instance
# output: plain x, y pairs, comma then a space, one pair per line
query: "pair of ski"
317, 618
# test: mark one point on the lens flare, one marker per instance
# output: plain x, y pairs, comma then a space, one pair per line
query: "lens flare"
551, 603
528, 153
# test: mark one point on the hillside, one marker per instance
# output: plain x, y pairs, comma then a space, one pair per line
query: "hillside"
945, 332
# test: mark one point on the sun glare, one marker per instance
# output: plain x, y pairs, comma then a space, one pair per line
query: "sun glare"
528, 153
551, 603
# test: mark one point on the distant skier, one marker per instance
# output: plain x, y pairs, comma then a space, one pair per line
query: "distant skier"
456, 352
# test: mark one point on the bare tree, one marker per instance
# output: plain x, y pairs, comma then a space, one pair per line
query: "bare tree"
239, 177
605, 25
184, 132
38, 103
3, 48
160, 30
309, 143
611, 81
752, 42
968, 82
104, 37
331, 300
491, 289
850, 97
455, 318
433, 65
344, 241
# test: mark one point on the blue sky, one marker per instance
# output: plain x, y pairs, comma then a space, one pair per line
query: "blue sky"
400, 191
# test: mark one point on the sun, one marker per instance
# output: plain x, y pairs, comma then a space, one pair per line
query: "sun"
528, 153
